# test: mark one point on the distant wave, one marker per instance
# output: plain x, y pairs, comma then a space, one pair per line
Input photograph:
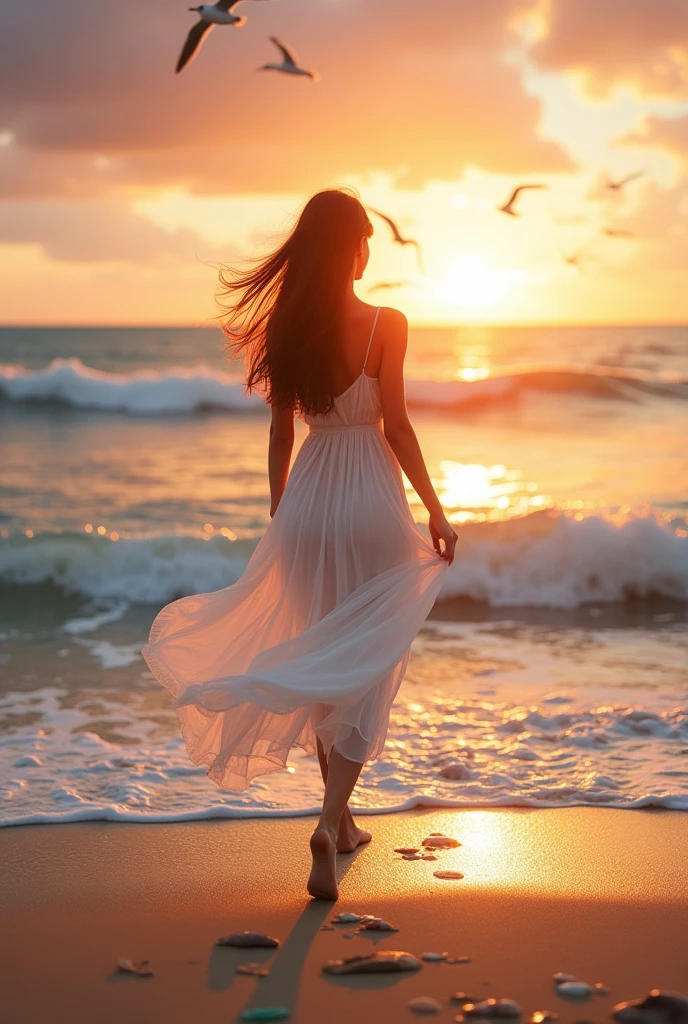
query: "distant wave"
544, 560
187, 390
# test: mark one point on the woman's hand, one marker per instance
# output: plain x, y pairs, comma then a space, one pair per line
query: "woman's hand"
441, 530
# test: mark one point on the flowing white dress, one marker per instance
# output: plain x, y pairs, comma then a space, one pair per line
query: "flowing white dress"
313, 640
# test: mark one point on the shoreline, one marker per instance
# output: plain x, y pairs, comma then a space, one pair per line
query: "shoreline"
603, 896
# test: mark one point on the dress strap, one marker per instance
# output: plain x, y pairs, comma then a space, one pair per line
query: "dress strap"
370, 339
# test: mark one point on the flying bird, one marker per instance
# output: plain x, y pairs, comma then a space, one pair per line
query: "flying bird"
509, 205
211, 15
616, 186
573, 259
399, 238
290, 63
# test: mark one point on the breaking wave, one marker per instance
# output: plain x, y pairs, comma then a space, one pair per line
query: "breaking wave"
188, 390
548, 559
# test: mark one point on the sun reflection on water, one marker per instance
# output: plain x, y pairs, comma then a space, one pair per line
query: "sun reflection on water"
472, 492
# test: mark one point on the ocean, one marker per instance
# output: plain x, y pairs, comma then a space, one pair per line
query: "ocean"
553, 670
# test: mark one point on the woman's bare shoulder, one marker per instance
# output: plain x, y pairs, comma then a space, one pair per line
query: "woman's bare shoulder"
393, 326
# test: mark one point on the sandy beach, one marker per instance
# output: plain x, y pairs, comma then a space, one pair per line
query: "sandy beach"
601, 894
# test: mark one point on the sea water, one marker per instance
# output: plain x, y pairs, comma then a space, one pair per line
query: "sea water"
554, 669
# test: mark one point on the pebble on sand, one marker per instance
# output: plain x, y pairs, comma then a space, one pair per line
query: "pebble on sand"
140, 967
560, 976
449, 875
493, 1008
433, 956
407, 849
424, 1004
428, 856
348, 918
388, 961
503, 1009
573, 990
411, 856
249, 940
377, 925
656, 1008
256, 970
438, 842
267, 1013
543, 1017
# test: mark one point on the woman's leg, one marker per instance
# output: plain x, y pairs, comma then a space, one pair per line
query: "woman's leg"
342, 776
349, 835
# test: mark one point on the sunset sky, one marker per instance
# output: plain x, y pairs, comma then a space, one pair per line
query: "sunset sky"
121, 183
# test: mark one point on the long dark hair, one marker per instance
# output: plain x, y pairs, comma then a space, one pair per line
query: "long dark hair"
283, 312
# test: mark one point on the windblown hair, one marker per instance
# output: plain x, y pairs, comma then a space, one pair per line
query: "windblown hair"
283, 312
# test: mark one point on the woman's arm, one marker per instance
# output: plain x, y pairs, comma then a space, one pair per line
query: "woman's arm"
401, 435
279, 453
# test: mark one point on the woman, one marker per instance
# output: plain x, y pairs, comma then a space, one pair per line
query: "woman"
309, 647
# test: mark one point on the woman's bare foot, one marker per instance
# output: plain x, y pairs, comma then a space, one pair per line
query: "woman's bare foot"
322, 883
350, 836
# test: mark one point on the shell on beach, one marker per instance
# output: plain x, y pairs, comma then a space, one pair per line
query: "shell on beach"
424, 1004
505, 1009
407, 849
256, 970
573, 990
656, 1008
140, 967
438, 842
411, 856
449, 875
249, 940
350, 918
433, 956
388, 961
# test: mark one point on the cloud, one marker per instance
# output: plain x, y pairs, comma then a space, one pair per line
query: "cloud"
96, 232
420, 94
666, 133
642, 43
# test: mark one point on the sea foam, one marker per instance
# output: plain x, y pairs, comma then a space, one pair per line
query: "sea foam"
548, 559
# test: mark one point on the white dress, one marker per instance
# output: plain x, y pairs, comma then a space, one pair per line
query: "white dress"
314, 639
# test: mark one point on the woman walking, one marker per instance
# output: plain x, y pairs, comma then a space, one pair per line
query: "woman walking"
309, 647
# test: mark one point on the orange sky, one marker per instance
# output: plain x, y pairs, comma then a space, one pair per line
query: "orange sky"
121, 182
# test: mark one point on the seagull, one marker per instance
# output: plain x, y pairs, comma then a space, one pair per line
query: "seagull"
290, 64
399, 238
616, 186
211, 15
573, 259
509, 206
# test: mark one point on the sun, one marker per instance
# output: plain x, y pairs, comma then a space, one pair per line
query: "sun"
470, 282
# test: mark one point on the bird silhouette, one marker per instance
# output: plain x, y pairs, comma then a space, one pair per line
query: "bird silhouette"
616, 186
399, 238
508, 207
289, 64
211, 15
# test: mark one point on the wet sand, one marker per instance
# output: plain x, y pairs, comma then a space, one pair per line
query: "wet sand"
598, 893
